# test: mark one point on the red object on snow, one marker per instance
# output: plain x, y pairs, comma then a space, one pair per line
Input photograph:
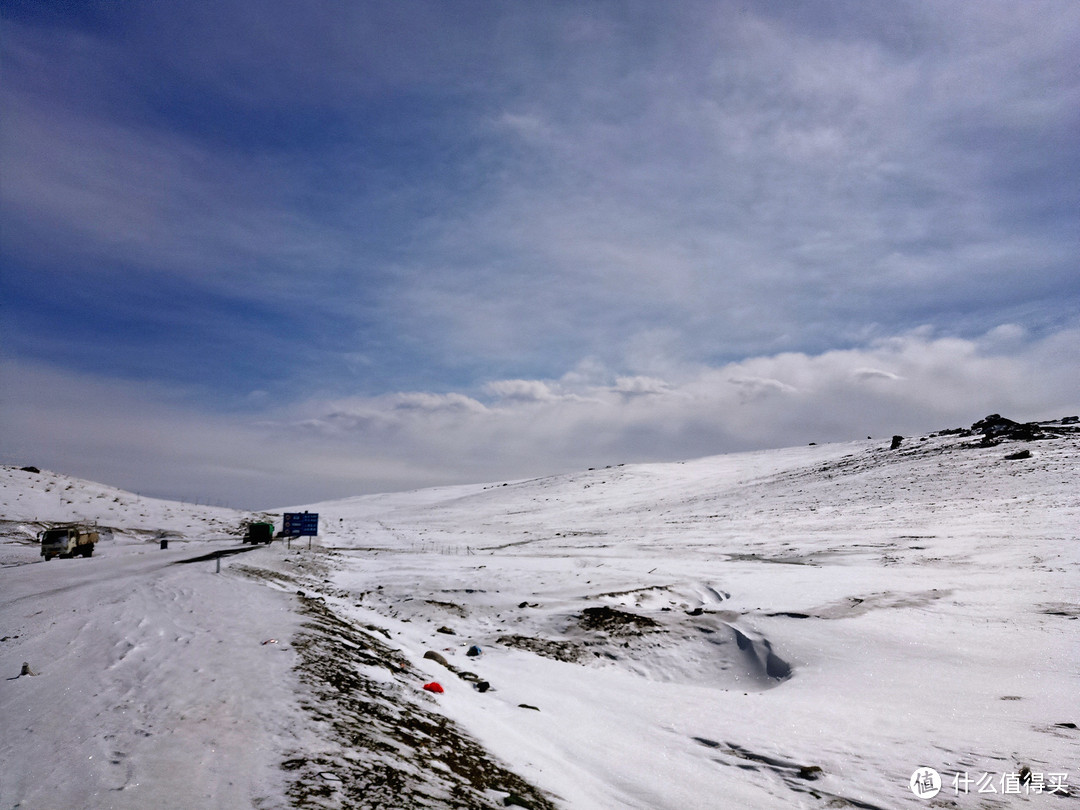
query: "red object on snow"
434, 686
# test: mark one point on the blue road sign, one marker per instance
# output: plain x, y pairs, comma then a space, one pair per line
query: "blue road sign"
301, 524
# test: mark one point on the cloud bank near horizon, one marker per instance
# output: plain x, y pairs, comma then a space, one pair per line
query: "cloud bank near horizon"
322, 449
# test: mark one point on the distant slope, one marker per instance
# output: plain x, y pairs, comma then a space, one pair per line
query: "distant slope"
30, 500
950, 477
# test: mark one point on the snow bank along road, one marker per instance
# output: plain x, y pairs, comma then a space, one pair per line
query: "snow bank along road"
798, 628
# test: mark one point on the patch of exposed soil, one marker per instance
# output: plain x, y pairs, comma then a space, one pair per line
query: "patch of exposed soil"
382, 746
450, 607
278, 578
605, 619
568, 651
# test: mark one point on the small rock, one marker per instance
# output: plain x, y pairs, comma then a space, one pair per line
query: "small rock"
449, 631
527, 706
896, 442
1018, 456
26, 670
436, 657
481, 686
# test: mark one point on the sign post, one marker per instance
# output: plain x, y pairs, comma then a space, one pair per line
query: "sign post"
300, 524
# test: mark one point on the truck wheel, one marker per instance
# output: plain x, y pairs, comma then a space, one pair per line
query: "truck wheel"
88, 551
47, 557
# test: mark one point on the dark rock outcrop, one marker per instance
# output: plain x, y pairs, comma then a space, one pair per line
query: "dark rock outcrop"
995, 429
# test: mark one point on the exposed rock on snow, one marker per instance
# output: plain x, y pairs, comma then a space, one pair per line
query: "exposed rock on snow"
1019, 456
568, 651
995, 429
388, 748
436, 657
615, 622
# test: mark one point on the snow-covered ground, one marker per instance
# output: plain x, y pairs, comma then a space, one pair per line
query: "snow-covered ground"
794, 628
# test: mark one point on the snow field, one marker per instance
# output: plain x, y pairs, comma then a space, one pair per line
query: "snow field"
793, 628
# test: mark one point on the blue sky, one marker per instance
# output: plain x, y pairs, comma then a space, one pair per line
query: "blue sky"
287, 251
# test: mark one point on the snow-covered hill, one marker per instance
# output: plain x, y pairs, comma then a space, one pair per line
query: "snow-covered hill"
797, 628
32, 499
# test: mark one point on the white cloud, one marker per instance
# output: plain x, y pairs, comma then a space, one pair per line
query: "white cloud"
130, 436
756, 388
1005, 337
420, 402
522, 390
528, 126
874, 374
639, 386
789, 398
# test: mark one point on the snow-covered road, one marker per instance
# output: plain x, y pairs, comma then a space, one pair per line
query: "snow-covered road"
152, 689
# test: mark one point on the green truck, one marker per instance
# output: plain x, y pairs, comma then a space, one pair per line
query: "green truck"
259, 532
67, 541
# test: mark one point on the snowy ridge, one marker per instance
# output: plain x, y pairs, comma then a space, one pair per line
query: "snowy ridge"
793, 628
32, 499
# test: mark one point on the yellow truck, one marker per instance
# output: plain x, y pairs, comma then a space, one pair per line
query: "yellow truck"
67, 541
